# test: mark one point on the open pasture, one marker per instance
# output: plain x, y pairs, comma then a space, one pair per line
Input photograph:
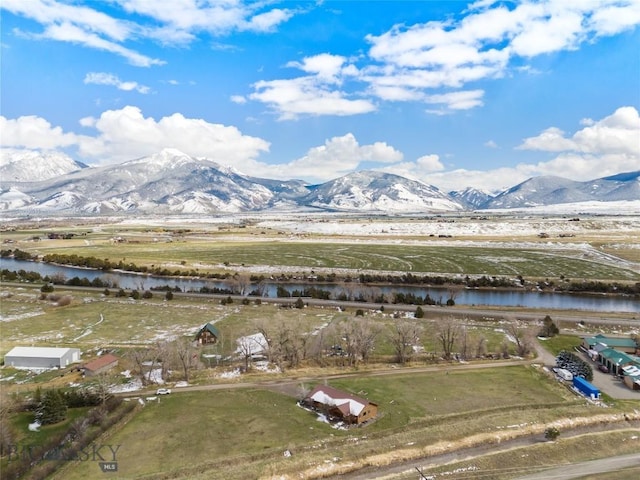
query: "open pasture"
93, 320
188, 434
264, 257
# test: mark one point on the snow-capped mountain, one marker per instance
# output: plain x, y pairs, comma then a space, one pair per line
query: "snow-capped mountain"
548, 190
381, 192
171, 182
166, 182
471, 198
32, 166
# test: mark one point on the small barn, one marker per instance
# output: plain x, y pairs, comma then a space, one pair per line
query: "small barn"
340, 405
100, 365
208, 335
41, 358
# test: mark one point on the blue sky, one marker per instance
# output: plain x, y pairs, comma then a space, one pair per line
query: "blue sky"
454, 94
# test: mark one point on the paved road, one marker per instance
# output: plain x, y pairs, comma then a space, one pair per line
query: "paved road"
592, 467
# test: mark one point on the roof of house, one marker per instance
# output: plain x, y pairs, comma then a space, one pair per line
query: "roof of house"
39, 352
348, 404
101, 362
632, 370
618, 357
252, 344
209, 328
626, 342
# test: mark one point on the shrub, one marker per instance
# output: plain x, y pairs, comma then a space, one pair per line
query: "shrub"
551, 433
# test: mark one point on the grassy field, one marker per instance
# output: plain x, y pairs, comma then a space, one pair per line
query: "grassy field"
243, 433
598, 253
93, 320
214, 432
206, 256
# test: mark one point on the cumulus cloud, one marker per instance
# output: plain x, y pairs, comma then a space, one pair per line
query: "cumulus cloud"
174, 22
618, 133
336, 157
308, 95
603, 147
427, 62
101, 78
32, 132
126, 133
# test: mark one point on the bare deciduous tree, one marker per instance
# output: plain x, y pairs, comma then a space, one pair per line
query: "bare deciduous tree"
241, 283
521, 337
447, 333
404, 336
139, 356
186, 354
246, 347
359, 335
481, 347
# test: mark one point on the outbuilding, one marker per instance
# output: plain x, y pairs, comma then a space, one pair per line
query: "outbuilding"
100, 365
41, 358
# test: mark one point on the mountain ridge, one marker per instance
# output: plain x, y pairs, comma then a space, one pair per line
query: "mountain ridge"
172, 182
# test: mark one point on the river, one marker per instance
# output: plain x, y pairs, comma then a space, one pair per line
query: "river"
470, 297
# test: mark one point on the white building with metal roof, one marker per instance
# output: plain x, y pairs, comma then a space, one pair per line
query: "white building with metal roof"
41, 358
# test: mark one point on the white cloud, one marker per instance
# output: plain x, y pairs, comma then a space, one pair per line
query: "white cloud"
602, 148
101, 78
490, 144
307, 96
173, 22
124, 134
449, 54
267, 21
67, 32
430, 163
33, 132
618, 133
338, 156
460, 100
418, 170
239, 99
327, 67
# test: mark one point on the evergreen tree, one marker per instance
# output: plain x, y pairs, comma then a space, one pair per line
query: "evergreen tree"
52, 408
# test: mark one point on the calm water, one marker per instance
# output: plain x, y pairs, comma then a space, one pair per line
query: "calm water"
516, 298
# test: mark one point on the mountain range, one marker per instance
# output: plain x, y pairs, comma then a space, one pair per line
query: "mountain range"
171, 182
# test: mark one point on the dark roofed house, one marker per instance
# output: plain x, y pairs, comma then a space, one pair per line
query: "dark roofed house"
340, 405
100, 365
207, 335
